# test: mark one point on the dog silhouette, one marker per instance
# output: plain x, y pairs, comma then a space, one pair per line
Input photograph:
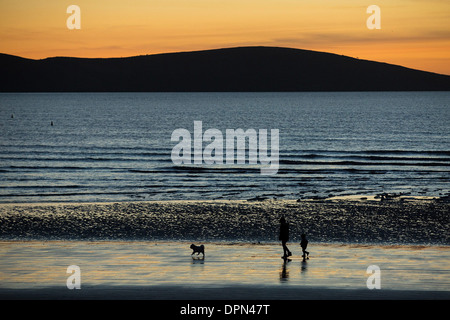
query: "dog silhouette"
198, 249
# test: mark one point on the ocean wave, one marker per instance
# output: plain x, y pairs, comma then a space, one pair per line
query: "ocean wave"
363, 163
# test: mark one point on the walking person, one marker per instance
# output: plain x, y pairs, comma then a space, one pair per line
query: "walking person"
284, 237
304, 244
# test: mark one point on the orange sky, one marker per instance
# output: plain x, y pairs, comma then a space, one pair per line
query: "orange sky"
414, 33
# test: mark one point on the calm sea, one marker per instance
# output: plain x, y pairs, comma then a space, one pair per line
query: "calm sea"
117, 146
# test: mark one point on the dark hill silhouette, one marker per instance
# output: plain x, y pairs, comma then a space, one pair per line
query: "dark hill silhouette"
231, 69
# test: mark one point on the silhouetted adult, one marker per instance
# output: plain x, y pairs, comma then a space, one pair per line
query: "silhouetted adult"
304, 244
284, 237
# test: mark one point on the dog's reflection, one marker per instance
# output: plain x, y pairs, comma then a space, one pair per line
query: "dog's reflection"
198, 259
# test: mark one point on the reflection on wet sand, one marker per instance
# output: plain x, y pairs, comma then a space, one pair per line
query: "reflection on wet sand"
33, 264
284, 273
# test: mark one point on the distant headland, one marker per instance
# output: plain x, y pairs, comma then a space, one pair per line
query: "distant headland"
239, 69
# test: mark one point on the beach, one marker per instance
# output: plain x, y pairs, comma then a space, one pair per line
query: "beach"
141, 250
167, 271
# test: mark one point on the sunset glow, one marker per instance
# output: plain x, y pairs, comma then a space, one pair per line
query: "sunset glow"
413, 33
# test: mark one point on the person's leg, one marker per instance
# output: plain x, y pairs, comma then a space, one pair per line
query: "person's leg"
285, 249
305, 253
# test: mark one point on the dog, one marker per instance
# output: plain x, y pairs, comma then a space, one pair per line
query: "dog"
198, 249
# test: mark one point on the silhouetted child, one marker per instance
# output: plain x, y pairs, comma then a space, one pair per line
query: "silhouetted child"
304, 244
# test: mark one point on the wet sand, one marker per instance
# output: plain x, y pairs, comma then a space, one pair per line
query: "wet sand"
230, 271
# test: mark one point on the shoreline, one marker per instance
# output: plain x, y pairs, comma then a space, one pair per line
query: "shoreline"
365, 198
237, 243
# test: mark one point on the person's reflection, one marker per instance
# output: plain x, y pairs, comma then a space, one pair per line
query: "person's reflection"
304, 266
284, 273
